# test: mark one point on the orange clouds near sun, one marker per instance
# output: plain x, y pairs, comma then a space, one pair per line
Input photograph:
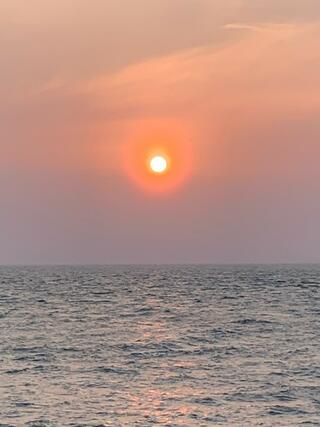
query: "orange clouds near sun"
157, 157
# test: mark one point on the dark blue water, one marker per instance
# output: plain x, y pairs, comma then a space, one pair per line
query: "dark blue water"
168, 346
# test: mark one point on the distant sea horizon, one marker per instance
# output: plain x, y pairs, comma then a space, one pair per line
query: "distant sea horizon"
128, 264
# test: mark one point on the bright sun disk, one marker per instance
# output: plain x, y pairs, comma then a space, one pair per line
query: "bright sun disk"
158, 164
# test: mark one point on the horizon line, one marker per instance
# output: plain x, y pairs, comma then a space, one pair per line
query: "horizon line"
263, 263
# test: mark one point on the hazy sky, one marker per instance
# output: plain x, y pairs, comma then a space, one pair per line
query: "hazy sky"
237, 82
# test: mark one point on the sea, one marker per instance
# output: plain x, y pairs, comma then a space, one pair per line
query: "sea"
184, 345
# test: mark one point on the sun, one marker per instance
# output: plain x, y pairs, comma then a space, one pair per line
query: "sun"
158, 164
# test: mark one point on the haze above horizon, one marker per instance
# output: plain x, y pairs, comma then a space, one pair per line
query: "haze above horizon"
228, 95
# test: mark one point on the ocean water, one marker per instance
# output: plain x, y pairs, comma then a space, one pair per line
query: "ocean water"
160, 345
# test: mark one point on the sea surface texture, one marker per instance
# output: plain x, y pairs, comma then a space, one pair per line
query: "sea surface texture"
160, 346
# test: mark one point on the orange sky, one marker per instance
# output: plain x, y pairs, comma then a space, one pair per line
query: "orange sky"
231, 90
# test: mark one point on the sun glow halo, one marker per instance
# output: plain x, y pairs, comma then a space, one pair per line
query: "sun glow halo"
157, 156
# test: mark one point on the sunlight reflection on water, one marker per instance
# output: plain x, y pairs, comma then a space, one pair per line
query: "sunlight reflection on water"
158, 345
